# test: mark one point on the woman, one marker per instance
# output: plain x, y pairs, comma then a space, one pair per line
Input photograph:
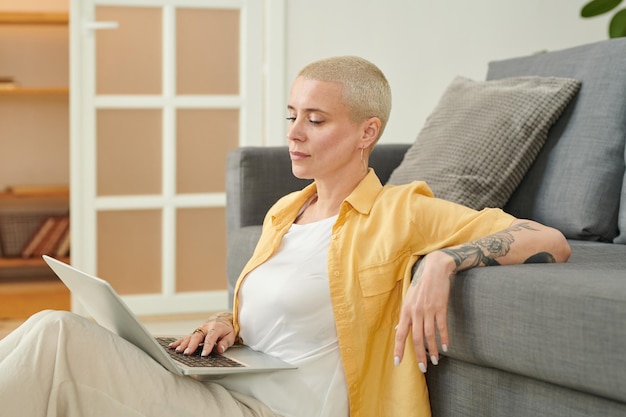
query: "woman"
329, 287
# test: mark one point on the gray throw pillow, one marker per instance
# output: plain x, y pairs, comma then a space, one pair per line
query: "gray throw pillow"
483, 136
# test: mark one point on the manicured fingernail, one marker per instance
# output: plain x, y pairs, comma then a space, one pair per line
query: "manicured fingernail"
187, 351
434, 360
179, 349
204, 353
444, 347
396, 326
396, 361
422, 367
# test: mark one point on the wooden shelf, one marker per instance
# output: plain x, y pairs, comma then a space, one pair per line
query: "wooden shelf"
24, 18
29, 91
26, 262
26, 192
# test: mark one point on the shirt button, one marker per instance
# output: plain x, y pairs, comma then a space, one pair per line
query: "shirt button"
340, 312
334, 237
349, 350
336, 273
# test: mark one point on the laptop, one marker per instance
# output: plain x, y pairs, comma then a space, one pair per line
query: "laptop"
111, 312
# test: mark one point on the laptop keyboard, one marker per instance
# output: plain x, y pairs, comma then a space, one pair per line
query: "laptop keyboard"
195, 360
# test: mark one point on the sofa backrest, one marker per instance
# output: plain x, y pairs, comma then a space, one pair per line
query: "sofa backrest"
576, 183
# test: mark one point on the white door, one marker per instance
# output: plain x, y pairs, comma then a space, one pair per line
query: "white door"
161, 90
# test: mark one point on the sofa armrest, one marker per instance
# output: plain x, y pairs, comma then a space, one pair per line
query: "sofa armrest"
256, 177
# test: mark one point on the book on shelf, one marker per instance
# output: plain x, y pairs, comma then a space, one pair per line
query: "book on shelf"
63, 249
48, 238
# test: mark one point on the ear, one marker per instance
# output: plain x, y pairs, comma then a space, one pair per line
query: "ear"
371, 130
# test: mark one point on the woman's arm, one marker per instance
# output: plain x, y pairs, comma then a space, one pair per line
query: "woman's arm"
425, 305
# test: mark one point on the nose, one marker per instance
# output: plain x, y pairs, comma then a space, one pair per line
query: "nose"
294, 131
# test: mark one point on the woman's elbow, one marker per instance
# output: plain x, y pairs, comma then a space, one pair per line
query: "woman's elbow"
560, 248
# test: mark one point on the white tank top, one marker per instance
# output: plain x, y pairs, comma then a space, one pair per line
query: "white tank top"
285, 311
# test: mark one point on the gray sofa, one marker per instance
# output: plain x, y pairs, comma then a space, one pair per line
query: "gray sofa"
527, 340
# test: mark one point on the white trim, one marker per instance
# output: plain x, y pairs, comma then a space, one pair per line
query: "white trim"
276, 84
181, 303
160, 201
208, 4
83, 142
158, 101
77, 206
168, 218
251, 78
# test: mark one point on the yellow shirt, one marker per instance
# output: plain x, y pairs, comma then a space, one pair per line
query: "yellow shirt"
378, 236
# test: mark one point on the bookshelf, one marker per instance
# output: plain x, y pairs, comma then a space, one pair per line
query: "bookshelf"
26, 284
34, 80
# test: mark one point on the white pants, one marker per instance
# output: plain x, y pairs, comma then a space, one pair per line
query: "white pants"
61, 364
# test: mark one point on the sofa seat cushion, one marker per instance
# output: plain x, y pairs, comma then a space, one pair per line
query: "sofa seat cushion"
483, 136
577, 179
560, 323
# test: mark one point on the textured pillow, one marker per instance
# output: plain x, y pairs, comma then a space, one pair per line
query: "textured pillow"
483, 136
577, 178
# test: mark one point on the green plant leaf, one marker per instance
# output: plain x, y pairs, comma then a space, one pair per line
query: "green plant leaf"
597, 7
617, 27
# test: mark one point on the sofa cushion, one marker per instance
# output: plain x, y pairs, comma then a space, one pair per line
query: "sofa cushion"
559, 323
576, 181
483, 136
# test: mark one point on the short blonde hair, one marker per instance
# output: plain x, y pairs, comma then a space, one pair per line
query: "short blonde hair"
366, 91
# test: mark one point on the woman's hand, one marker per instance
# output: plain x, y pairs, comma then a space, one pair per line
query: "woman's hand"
425, 309
425, 306
217, 332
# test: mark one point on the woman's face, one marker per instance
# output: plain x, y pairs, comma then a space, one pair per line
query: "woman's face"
323, 142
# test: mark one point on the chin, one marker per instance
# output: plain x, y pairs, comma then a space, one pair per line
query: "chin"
300, 173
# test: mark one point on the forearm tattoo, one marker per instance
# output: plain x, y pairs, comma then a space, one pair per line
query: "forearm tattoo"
485, 251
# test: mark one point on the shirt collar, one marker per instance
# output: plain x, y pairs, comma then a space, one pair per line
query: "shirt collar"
363, 196
361, 199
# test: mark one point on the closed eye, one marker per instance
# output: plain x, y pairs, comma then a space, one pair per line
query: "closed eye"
292, 119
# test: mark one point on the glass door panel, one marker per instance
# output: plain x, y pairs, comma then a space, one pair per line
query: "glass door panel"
129, 250
200, 249
129, 57
128, 151
207, 46
204, 138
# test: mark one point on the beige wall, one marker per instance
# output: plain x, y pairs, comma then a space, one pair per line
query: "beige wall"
422, 44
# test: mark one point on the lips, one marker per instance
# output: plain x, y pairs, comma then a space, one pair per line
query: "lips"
298, 156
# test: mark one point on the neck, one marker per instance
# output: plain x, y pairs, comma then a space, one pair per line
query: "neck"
330, 194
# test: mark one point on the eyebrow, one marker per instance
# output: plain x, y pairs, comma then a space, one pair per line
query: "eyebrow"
308, 110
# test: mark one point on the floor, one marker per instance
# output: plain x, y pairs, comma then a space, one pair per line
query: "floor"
157, 325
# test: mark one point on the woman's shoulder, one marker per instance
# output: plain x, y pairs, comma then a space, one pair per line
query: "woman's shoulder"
411, 188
